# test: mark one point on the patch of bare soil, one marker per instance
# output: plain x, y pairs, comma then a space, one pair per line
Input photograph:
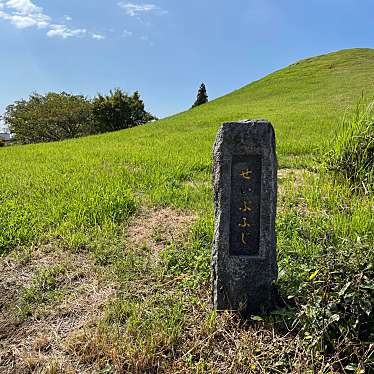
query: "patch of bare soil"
291, 179
156, 227
35, 343
295, 175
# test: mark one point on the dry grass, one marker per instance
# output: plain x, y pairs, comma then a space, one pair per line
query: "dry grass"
230, 345
35, 342
290, 182
154, 228
59, 335
208, 343
291, 176
144, 318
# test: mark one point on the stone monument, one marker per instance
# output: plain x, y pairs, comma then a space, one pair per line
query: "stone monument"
245, 192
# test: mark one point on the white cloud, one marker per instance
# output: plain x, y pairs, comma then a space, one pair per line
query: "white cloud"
64, 32
97, 36
126, 33
24, 14
134, 10
24, 6
22, 22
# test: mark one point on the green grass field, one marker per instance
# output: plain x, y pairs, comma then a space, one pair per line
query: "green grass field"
80, 197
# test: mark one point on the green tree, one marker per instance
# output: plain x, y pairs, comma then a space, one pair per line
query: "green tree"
52, 117
58, 116
202, 96
118, 111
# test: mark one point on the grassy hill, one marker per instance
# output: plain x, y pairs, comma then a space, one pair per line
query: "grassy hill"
85, 182
304, 100
86, 204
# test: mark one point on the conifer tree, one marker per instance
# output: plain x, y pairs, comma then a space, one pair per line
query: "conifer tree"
202, 96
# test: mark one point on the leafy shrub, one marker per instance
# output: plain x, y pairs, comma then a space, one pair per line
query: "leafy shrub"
352, 153
331, 300
337, 315
2, 143
118, 111
50, 117
326, 262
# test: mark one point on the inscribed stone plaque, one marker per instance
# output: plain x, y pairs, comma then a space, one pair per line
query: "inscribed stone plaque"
245, 205
245, 187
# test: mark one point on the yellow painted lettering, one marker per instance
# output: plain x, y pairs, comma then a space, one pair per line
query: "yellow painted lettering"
246, 174
246, 207
244, 223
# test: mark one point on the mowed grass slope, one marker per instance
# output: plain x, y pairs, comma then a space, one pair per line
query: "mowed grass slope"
106, 242
68, 189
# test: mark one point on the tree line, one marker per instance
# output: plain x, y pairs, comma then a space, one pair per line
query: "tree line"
59, 116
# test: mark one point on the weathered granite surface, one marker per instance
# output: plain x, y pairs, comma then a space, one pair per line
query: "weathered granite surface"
245, 191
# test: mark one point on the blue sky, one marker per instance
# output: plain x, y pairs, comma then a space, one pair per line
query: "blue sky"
165, 48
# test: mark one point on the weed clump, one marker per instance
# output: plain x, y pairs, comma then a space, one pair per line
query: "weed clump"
352, 153
335, 306
326, 257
